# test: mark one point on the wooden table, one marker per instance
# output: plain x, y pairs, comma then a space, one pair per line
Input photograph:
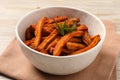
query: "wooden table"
12, 10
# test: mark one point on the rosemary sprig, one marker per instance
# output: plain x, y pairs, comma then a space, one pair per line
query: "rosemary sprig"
65, 28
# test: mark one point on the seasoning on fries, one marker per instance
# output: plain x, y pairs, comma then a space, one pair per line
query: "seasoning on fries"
60, 36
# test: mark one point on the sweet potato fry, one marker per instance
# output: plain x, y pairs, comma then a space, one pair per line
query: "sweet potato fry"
29, 33
75, 40
29, 42
44, 51
43, 38
52, 44
74, 46
86, 38
47, 29
69, 22
63, 50
50, 27
38, 31
64, 40
82, 27
75, 19
47, 40
66, 51
33, 26
57, 19
51, 49
92, 37
93, 43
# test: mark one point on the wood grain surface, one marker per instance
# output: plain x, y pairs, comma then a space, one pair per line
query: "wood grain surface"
12, 10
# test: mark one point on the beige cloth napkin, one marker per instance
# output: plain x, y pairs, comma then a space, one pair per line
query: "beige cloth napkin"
14, 64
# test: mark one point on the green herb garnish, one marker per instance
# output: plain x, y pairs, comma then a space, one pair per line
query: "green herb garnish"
65, 28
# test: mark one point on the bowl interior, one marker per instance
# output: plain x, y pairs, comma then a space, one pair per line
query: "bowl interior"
95, 26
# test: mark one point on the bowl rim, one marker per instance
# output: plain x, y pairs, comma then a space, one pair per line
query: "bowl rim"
69, 56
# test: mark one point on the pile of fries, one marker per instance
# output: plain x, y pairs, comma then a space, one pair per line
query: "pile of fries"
60, 36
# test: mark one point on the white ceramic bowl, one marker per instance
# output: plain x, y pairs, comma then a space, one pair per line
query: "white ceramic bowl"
61, 65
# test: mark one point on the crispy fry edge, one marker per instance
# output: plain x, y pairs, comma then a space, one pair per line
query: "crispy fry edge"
93, 43
38, 31
64, 40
